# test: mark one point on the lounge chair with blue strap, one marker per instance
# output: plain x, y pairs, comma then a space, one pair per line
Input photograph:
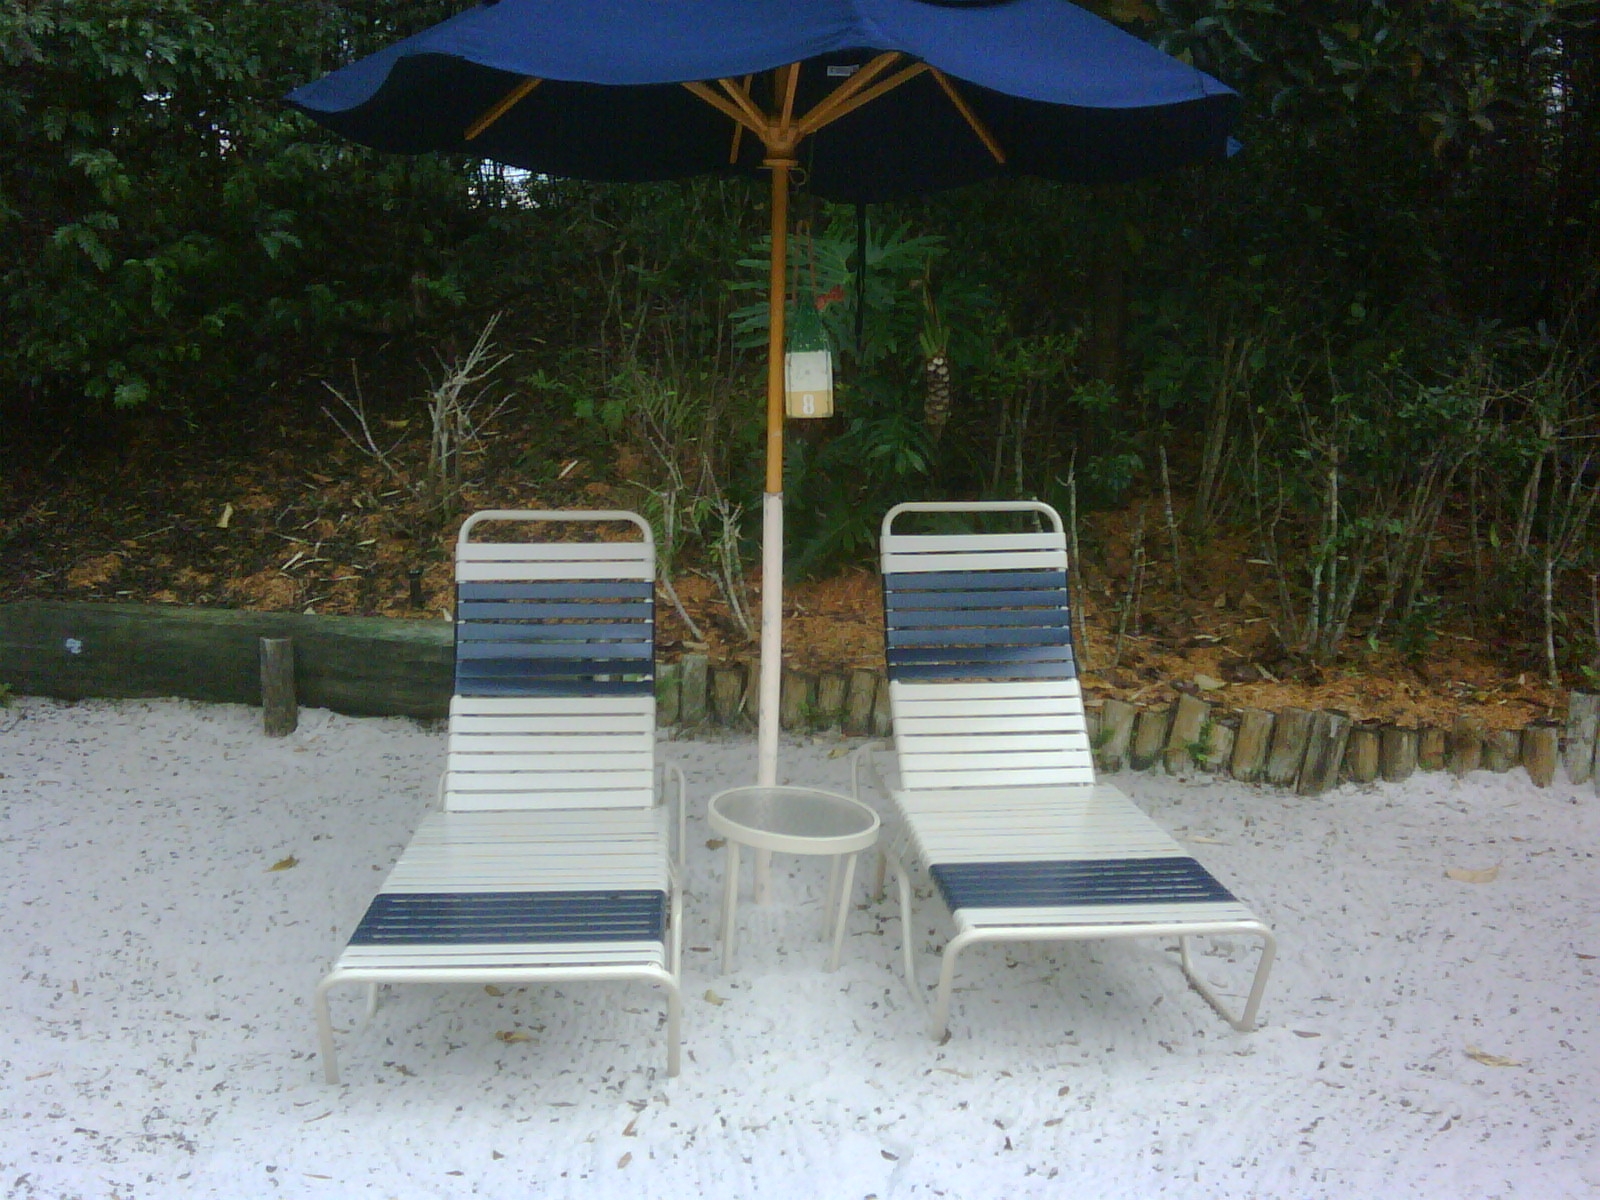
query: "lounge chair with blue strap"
997, 797
549, 858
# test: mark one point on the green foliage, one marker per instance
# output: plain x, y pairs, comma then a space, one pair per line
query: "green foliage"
167, 227
1365, 334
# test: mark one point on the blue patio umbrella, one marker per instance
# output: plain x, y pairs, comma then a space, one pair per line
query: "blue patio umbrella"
872, 99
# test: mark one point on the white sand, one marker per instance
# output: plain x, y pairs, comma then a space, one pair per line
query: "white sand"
157, 1033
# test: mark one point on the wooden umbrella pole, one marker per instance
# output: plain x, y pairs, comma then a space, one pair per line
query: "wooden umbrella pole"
772, 501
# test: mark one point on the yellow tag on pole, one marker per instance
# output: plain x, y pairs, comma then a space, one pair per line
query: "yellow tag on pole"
808, 383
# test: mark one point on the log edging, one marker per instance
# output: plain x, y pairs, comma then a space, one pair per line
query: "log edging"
380, 666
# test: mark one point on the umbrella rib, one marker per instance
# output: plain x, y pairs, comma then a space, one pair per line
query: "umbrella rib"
738, 129
739, 93
728, 108
813, 122
501, 106
788, 82
972, 119
823, 112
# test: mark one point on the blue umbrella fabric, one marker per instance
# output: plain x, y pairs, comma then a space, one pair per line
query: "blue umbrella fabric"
596, 91
864, 100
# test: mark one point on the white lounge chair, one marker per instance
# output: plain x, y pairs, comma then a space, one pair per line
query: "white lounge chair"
997, 797
549, 860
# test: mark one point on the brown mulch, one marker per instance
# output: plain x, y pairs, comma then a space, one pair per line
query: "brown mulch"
276, 511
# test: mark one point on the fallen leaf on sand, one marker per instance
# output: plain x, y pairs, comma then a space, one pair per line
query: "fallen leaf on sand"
1207, 841
284, 864
633, 1128
713, 998
889, 1156
512, 1036
1491, 1060
625, 1160
1063, 1089
1306, 1033
715, 843
492, 990
1467, 875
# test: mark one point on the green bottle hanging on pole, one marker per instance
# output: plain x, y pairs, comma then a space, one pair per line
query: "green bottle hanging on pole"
808, 364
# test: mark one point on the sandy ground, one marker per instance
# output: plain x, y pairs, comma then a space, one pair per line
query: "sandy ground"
157, 1040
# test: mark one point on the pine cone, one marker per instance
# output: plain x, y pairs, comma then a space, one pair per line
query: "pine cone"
936, 407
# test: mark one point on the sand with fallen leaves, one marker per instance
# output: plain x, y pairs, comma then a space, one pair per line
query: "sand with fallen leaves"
175, 884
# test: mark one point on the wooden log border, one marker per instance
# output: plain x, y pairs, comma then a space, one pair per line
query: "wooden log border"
378, 666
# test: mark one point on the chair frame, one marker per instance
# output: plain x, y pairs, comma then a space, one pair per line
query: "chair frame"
1006, 823
464, 843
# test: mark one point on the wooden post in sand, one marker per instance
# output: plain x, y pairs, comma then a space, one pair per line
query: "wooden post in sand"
832, 688
728, 693
1186, 746
882, 715
693, 687
1289, 733
280, 711
797, 697
669, 692
1583, 728
1502, 748
1361, 754
1116, 735
1222, 734
858, 704
1541, 747
1397, 753
1251, 744
1465, 752
1149, 738
1325, 743
1430, 749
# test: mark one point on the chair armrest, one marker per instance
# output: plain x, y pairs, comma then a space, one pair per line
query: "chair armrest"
862, 754
681, 815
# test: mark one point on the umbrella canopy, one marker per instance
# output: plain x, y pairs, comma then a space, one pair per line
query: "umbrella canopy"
871, 99
1032, 87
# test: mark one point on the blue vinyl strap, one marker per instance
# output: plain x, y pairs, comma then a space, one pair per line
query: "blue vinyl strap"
490, 918
1062, 884
966, 625
555, 638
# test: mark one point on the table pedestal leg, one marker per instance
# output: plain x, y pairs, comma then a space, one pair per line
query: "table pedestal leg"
730, 904
763, 875
830, 897
843, 902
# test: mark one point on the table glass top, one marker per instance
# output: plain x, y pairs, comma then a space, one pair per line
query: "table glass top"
795, 812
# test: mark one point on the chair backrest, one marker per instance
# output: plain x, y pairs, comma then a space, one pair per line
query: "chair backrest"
978, 636
555, 670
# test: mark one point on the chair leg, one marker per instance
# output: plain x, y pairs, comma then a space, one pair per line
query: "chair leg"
674, 1022
831, 896
372, 1000
730, 903
677, 933
1246, 1020
843, 902
908, 960
939, 1021
330, 1060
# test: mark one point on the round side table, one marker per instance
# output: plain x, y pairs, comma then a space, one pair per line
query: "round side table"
792, 820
